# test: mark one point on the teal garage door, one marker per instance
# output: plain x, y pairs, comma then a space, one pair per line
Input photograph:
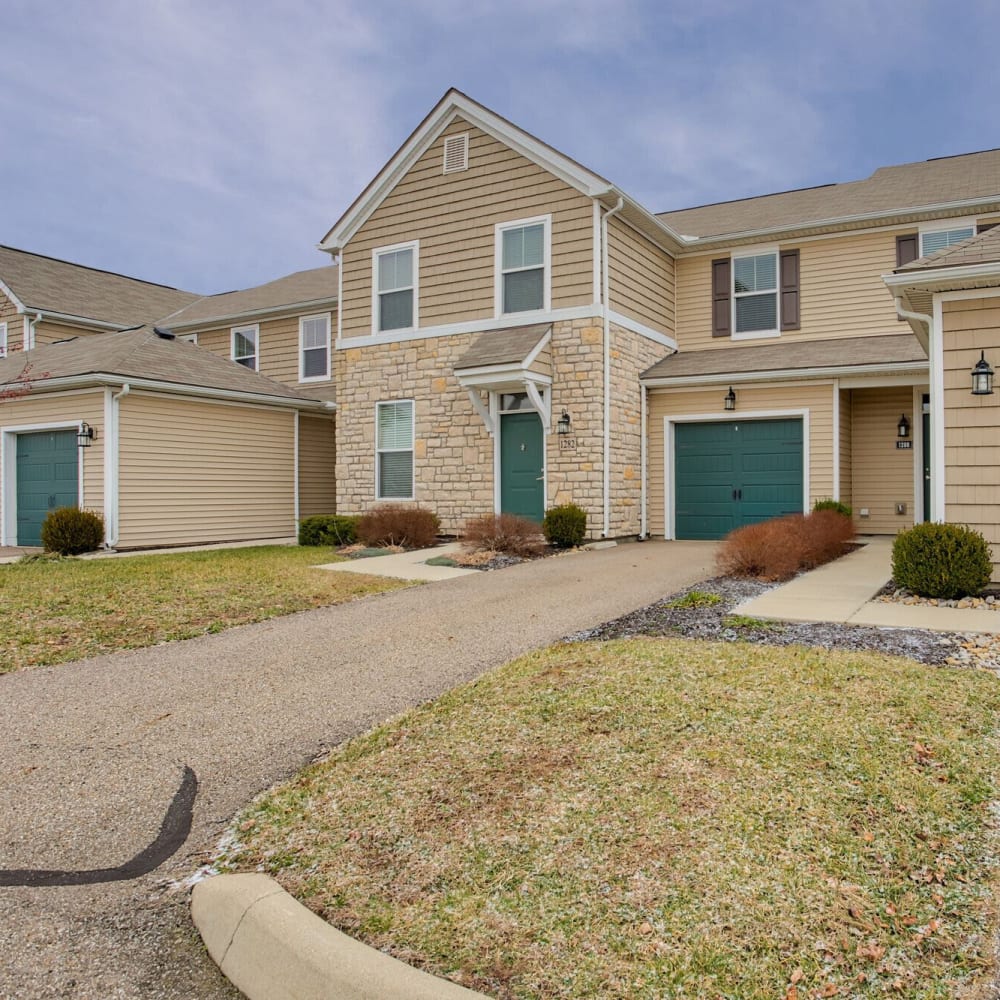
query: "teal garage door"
46, 479
727, 474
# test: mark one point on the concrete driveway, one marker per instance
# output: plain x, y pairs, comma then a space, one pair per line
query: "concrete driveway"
95, 752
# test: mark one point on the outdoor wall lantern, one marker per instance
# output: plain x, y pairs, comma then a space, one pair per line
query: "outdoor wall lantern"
903, 427
982, 377
85, 435
562, 424
730, 399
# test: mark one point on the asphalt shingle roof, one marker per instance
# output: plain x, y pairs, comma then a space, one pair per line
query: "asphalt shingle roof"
983, 248
502, 347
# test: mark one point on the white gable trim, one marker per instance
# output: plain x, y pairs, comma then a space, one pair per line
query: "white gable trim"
5, 288
456, 105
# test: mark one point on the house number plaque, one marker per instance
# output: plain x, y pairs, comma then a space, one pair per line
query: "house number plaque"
904, 445
567, 444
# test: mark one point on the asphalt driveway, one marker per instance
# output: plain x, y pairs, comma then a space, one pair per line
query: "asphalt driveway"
102, 758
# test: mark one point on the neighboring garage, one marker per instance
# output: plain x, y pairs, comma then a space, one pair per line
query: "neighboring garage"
731, 473
172, 444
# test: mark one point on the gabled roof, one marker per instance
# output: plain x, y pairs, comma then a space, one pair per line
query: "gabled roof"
300, 290
503, 347
793, 356
143, 355
65, 290
960, 183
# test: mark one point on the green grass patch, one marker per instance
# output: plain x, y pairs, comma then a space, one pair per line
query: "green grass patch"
440, 561
695, 599
747, 622
663, 819
59, 610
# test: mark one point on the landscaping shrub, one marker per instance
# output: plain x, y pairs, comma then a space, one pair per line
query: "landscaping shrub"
840, 508
941, 560
565, 526
784, 546
329, 529
399, 524
516, 536
71, 531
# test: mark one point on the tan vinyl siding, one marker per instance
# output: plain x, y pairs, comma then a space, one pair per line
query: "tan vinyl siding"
881, 474
816, 398
277, 347
846, 451
317, 466
48, 333
453, 216
640, 278
65, 408
220, 473
14, 321
972, 423
841, 291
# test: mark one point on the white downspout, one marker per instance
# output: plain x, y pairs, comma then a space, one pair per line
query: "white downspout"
606, 308
29, 340
111, 455
643, 460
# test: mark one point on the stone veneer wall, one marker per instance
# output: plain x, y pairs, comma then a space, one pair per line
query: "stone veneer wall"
454, 454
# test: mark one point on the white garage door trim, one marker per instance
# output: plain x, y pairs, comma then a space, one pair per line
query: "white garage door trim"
731, 416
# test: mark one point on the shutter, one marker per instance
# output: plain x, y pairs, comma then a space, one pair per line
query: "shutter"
789, 290
907, 249
986, 226
721, 293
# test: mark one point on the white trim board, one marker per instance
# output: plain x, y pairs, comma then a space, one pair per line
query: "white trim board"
726, 416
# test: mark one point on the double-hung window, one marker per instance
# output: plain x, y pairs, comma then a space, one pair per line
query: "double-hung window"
395, 285
522, 266
938, 239
244, 346
394, 450
314, 348
755, 294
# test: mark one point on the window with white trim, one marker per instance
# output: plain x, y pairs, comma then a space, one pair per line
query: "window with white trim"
394, 450
314, 348
522, 263
244, 346
3, 340
755, 294
395, 287
938, 239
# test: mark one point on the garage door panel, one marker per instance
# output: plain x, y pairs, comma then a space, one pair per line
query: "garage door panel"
47, 477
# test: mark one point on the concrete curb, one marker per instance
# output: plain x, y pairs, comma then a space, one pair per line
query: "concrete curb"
272, 948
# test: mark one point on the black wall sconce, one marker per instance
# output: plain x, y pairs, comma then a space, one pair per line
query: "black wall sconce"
85, 435
982, 377
730, 401
562, 424
903, 427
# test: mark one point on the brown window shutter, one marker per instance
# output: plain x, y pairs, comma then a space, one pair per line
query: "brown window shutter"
986, 226
721, 293
789, 289
907, 249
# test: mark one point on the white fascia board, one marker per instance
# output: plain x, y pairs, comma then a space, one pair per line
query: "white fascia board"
101, 379
933, 276
454, 105
5, 288
68, 318
841, 371
225, 319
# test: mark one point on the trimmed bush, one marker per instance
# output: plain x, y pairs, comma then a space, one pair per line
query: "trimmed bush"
71, 531
399, 524
516, 536
329, 529
565, 526
784, 546
941, 560
840, 508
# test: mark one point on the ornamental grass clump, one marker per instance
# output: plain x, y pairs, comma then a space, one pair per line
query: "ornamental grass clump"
945, 561
507, 533
399, 524
71, 531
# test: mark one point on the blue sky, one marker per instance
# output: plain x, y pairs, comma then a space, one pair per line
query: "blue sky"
210, 144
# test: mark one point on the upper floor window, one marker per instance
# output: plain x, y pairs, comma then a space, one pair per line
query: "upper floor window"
314, 348
395, 287
522, 265
3, 340
938, 239
394, 448
244, 346
755, 294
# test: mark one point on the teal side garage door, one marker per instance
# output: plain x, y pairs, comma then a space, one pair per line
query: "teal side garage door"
46, 479
727, 474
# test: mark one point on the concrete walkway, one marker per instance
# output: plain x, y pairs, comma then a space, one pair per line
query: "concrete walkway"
842, 592
406, 565
96, 751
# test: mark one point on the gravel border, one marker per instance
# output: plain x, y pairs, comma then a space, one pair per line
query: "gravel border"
717, 622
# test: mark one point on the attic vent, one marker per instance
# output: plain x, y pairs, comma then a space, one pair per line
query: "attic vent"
165, 334
456, 153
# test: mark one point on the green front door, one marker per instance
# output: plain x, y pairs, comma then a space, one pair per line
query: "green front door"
522, 465
46, 479
727, 474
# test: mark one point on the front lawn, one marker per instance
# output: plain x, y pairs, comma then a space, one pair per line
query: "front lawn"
65, 610
663, 818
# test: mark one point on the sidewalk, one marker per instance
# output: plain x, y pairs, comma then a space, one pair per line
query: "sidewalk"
405, 565
842, 592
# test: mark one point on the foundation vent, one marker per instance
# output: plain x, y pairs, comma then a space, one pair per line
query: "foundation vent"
456, 153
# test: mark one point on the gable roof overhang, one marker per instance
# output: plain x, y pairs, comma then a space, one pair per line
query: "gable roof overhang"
178, 322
